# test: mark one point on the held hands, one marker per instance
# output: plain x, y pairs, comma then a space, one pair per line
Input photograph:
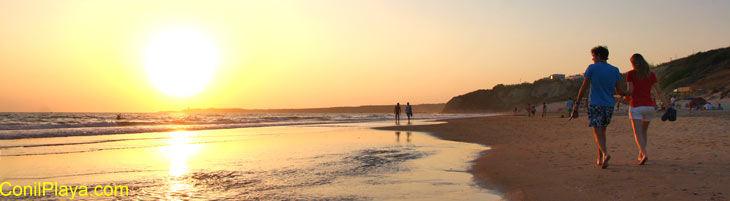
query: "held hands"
626, 100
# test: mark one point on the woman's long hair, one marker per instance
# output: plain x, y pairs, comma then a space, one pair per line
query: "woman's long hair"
641, 67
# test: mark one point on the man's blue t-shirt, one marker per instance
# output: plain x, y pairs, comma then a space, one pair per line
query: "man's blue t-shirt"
603, 83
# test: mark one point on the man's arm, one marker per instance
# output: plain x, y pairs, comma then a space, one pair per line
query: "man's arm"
583, 87
621, 88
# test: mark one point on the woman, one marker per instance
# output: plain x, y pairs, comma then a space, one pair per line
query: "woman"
640, 82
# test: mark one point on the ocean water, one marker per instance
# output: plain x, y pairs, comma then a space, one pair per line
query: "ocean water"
320, 160
35, 125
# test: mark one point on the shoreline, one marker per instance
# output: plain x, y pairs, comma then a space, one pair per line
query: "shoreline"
552, 158
332, 162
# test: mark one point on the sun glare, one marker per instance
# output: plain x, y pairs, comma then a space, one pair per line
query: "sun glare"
180, 62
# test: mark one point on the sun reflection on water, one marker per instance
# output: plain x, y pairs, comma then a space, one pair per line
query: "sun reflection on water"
179, 151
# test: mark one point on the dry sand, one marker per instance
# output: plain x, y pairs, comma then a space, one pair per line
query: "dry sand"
552, 158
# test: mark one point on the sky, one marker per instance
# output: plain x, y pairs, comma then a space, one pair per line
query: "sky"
89, 56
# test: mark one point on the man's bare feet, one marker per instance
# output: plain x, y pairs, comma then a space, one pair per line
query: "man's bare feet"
643, 160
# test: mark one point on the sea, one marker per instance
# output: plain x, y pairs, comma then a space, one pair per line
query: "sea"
35, 125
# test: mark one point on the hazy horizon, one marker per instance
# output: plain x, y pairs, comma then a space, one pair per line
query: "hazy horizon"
114, 56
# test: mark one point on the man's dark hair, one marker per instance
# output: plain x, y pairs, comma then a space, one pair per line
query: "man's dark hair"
602, 51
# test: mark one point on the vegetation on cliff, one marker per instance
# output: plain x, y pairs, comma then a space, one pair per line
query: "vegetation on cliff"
506, 97
704, 73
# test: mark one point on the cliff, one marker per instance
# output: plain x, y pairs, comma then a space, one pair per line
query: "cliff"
506, 97
706, 73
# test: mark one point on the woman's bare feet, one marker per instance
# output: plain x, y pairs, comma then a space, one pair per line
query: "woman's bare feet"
604, 165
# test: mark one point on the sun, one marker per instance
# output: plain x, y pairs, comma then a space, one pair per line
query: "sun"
180, 62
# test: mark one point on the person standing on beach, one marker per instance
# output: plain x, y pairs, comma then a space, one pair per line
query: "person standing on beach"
603, 80
570, 106
397, 112
409, 111
641, 81
533, 110
529, 110
544, 109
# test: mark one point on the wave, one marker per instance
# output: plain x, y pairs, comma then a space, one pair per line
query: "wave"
29, 121
68, 132
42, 125
107, 148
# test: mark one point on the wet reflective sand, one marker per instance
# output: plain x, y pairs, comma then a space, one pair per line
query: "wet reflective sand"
316, 162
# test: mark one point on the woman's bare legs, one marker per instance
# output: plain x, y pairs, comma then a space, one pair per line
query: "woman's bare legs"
645, 128
640, 134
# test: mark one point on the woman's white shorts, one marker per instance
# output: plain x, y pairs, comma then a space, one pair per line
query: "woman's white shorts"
645, 113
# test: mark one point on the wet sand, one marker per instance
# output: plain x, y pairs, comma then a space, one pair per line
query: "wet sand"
552, 158
305, 162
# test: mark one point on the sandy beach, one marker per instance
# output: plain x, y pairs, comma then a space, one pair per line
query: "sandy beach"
552, 158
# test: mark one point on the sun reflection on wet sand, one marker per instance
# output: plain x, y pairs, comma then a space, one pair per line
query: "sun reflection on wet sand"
179, 151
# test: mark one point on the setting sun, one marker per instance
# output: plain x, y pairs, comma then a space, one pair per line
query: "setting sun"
180, 62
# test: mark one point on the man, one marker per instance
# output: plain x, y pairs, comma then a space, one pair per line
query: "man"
409, 111
397, 112
603, 80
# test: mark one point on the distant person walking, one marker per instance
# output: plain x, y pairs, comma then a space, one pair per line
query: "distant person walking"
544, 109
397, 112
641, 81
409, 111
529, 110
570, 106
602, 78
533, 110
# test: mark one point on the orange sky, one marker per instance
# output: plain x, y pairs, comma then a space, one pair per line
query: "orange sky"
86, 56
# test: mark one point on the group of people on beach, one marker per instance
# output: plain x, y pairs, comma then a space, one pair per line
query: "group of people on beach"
531, 110
397, 111
603, 80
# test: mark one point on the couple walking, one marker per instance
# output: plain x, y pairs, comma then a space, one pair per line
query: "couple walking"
603, 80
409, 112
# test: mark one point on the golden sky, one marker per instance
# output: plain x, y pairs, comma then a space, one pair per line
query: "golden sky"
87, 56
